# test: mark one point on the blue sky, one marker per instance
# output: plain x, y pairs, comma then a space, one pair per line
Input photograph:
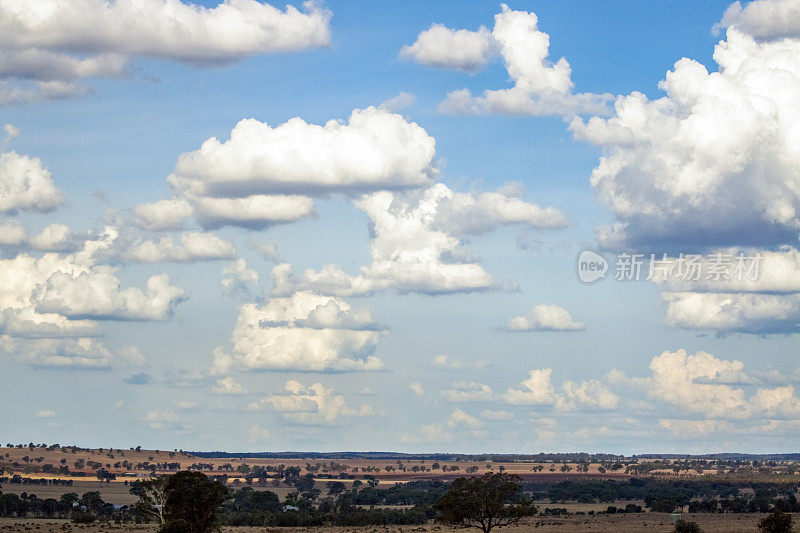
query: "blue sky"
451, 317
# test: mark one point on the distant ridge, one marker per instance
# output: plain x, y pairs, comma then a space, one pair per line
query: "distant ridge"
571, 457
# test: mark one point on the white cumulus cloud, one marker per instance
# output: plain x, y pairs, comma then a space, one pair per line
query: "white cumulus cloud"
442, 47
303, 332
313, 405
193, 246
764, 19
417, 246
538, 389
54, 44
541, 87
545, 318
25, 185
699, 384
462, 391
712, 163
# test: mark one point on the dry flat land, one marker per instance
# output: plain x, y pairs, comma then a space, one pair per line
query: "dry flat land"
116, 493
638, 523
136, 462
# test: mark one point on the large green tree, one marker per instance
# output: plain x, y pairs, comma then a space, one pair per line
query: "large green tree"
191, 503
151, 497
485, 502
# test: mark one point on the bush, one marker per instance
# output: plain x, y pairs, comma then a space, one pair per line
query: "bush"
82, 517
777, 522
176, 526
667, 505
683, 526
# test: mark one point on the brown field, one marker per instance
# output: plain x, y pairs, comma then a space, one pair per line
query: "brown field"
110, 458
631, 523
28, 462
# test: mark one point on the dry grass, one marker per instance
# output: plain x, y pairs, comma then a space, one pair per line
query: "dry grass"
631, 523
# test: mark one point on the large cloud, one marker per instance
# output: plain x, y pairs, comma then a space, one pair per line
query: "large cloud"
698, 384
714, 162
73, 353
162, 215
304, 332
374, 150
26, 185
764, 19
58, 298
734, 312
53, 42
733, 290
96, 295
192, 247
266, 175
416, 244
541, 87
53, 238
539, 390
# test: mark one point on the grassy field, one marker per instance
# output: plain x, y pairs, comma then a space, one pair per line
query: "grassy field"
137, 463
108, 459
631, 523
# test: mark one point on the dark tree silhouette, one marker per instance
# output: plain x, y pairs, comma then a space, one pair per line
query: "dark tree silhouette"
335, 487
191, 503
485, 502
777, 522
683, 526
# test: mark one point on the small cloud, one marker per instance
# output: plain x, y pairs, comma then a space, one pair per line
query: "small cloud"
483, 364
416, 388
133, 355
258, 435
399, 102
45, 414
460, 418
100, 194
140, 378
228, 386
267, 250
488, 414
12, 132
462, 391
544, 422
164, 420
545, 318
186, 406
429, 434
446, 362
526, 241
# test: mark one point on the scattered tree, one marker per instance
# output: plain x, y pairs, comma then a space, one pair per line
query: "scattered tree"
335, 487
485, 502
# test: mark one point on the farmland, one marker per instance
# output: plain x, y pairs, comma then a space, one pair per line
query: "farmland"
573, 492
655, 522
